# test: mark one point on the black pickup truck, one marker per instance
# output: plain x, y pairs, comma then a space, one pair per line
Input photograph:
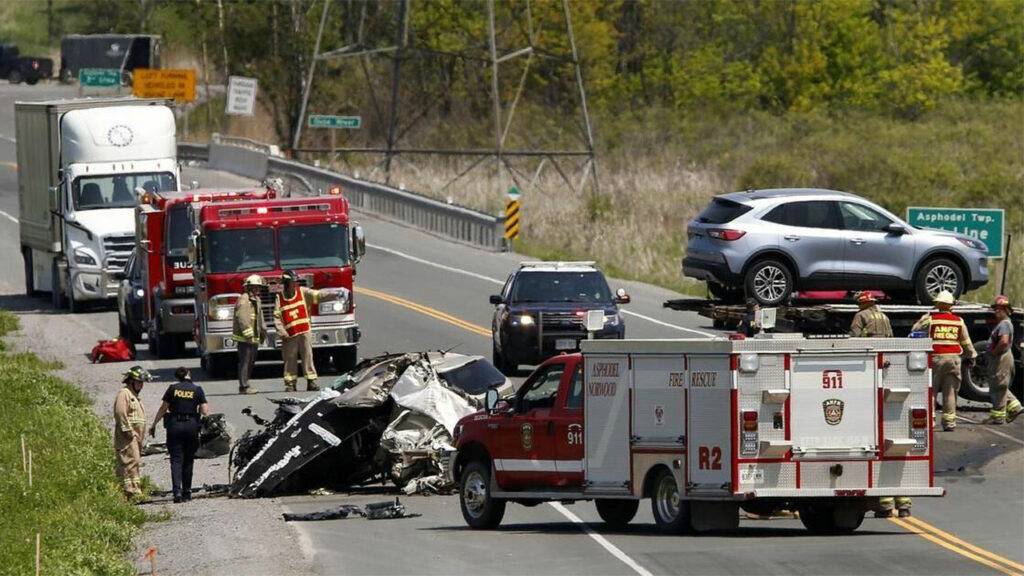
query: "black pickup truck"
18, 69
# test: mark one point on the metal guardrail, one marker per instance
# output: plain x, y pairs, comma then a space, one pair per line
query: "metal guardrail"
452, 222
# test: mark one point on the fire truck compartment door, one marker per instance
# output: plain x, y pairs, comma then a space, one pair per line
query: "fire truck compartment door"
606, 409
659, 418
710, 424
833, 405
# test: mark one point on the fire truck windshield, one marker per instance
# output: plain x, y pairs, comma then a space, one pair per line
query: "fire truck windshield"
315, 246
240, 250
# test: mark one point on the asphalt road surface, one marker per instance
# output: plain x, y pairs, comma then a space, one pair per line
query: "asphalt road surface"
416, 292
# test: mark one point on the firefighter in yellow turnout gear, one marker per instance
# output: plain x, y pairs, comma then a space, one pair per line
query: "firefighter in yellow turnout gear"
950, 340
293, 323
870, 322
130, 430
1005, 406
249, 330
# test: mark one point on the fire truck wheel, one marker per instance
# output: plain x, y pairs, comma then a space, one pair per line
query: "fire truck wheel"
671, 513
479, 509
821, 518
617, 513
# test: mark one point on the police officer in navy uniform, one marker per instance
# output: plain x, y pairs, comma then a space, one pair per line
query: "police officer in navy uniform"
183, 405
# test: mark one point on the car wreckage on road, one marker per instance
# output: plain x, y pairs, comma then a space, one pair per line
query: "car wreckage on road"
390, 418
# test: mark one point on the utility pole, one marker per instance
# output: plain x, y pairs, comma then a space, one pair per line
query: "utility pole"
309, 78
495, 95
403, 6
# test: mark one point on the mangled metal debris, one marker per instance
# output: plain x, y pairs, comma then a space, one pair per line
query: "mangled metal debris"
214, 439
390, 418
373, 511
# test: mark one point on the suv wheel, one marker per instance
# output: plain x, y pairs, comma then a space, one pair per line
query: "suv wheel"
769, 282
938, 275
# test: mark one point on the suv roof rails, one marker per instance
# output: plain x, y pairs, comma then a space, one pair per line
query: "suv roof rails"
556, 265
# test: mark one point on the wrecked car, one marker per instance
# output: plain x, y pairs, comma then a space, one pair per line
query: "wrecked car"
389, 419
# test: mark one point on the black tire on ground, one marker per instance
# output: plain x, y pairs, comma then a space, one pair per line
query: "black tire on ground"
30, 281
14, 77
974, 381
769, 282
32, 81
671, 514
617, 513
727, 294
479, 509
937, 275
822, 518
56, 292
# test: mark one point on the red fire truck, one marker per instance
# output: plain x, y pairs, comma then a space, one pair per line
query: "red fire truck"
311, 235
706, 427
162, 230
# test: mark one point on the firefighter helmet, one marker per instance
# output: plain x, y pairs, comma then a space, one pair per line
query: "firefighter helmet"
289, 275
1001, 302
944, 297
255, 280
865, 297
137, 373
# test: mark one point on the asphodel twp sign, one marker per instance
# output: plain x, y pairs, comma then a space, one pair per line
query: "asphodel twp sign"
179, 84
984, 224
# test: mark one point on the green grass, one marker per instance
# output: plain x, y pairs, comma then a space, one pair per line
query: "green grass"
74, 501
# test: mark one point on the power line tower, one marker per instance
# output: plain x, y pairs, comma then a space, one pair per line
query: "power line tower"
525, 166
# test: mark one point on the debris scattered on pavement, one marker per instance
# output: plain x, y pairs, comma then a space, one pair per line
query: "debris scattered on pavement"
204, 491
390, 418
374, 511
214, 439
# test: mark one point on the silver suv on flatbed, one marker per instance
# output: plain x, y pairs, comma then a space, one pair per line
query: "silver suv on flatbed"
766, 244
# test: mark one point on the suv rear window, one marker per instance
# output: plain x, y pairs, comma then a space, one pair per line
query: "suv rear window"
721, 211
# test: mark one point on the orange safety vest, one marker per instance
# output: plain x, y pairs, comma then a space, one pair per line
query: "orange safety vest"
294, 314
945, 329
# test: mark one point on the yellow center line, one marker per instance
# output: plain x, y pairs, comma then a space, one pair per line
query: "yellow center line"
436, 314
912, 525
901, 522
921, 524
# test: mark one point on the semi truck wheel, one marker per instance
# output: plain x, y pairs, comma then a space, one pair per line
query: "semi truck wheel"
671, 513
479, 509
56, 292
617, 513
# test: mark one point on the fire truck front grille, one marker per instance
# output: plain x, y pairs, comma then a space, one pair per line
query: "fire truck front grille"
267, 301
561, 321
116, 250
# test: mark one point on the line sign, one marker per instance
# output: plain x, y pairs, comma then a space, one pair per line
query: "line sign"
326, 121
984, 224
99, 77
241, 96
179, 84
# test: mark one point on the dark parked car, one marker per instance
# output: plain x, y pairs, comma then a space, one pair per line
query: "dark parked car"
17, 68
131, 298
542, 311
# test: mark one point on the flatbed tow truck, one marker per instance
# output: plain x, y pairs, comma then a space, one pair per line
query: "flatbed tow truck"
811, 316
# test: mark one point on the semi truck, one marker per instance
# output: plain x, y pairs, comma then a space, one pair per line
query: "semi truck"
162, 230
124, 52
81, 164
312, 236
704, 428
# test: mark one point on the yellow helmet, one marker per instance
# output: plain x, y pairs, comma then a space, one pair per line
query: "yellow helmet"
944, 297
255, 280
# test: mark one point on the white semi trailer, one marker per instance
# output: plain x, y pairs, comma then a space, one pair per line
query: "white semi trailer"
81, 163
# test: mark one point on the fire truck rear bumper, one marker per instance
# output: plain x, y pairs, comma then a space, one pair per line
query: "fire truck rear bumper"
838, 493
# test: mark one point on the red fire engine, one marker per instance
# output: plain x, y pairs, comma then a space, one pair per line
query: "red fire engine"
705, 427
311, 235
162, 230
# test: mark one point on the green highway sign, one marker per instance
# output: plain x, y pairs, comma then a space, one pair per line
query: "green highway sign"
325, 121
99, 77
984, 224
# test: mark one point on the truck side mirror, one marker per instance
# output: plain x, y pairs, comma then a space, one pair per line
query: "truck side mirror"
55, 199
621, 297
358, 243
491, 399
193, 248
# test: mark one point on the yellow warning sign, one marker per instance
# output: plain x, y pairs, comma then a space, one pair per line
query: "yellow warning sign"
179, 84
511, 219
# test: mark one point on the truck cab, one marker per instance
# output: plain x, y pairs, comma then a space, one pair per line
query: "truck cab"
313, 236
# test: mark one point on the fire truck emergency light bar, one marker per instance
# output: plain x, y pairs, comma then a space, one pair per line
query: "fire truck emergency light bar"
238, 212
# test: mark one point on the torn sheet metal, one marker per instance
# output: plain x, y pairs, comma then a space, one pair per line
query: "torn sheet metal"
373, 511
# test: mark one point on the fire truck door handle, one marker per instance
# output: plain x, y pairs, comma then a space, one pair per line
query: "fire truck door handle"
551, 428
681, 440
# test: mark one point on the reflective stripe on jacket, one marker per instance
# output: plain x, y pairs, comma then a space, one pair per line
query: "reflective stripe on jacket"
248, 325
292, 314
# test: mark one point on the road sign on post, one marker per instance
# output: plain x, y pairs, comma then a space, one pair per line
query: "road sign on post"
512, 214
326, 121
241, 96
983, 224
179, 84
99, 77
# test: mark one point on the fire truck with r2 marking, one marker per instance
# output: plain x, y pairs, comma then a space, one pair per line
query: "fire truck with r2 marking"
705, 428
311, 235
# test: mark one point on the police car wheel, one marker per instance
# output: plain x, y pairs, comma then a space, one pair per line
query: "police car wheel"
617, 513
479, 509
671, 513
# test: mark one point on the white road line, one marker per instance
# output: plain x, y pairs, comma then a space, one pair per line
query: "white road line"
501, 282
611, 548
989, 429
8, 216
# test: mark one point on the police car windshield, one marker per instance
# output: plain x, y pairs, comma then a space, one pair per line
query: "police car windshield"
561, 286
117, 190
245, 250
317, 246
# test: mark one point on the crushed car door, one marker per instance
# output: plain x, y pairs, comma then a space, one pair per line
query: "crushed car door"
526, 450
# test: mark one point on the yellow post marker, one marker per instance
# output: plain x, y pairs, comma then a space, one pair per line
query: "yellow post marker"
512, 214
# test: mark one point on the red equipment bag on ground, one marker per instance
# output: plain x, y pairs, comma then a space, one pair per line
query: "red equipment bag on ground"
118, 350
